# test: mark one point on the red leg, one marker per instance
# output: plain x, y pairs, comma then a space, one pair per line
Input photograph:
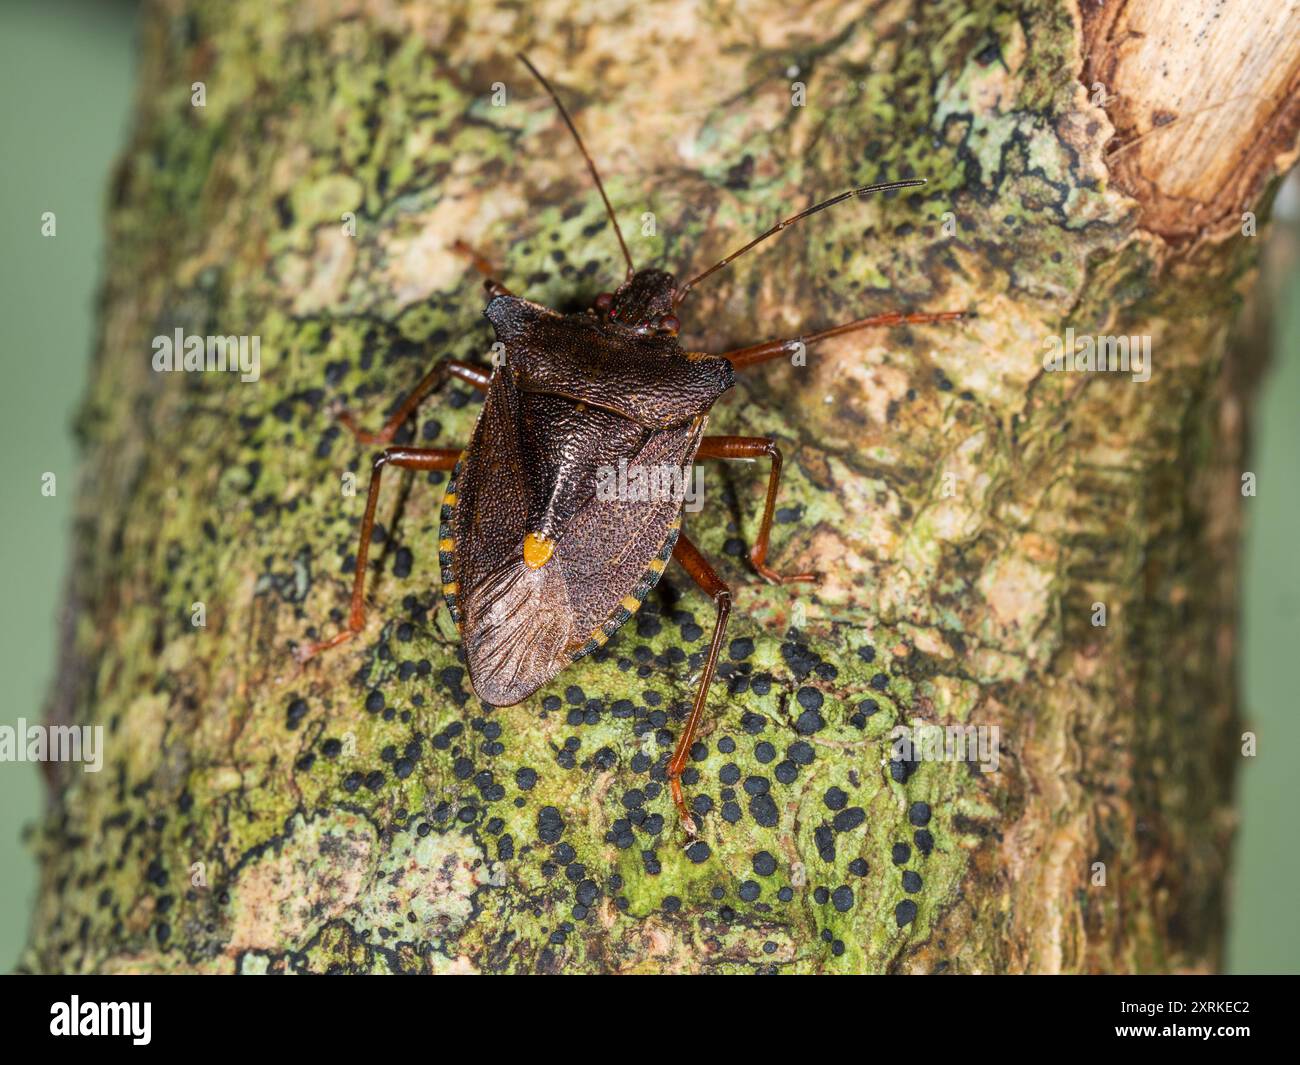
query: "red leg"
755, 447
435, 378
493, 286
702, 573
410, 458
742, 358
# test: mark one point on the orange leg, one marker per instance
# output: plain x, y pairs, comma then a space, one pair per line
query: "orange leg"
742, 358
435, 378
480, 263
755, 447
702, 573
410, 458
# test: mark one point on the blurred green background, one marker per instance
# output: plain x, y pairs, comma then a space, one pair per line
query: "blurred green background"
66, 75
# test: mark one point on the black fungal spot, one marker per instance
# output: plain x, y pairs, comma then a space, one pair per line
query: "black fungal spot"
799, 658
550, 825
809, 723
824, 839
763, 810
698, 852
739, 175
809, 698
402, 562
847, 820
900, 770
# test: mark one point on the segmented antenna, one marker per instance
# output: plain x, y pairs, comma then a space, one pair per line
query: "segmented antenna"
886, 186
590, 165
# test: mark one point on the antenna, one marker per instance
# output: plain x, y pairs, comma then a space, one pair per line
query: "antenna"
886, 186
590, 165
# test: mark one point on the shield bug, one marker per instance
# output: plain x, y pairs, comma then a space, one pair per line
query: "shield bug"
538, 569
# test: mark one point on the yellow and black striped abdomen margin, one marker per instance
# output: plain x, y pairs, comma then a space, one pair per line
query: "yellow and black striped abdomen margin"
447, 544
631, 602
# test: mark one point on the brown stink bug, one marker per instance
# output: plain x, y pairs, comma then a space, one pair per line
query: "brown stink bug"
537, 570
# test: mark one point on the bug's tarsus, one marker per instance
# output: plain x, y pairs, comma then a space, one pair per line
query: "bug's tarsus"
600, 187
409, 458
697, 566
884, 186
756, 447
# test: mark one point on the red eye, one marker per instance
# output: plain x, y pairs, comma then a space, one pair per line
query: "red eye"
670, 325
603, 301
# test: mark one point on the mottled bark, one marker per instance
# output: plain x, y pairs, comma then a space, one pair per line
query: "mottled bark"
967, 508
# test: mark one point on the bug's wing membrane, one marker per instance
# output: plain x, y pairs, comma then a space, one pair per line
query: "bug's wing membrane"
515, 621
614, 551
647, 380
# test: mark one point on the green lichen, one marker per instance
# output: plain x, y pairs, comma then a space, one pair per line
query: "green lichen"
370, 814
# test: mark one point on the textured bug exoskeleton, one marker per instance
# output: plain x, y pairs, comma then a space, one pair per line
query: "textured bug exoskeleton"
538, 568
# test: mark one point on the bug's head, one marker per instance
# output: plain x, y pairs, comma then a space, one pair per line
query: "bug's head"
643, 304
